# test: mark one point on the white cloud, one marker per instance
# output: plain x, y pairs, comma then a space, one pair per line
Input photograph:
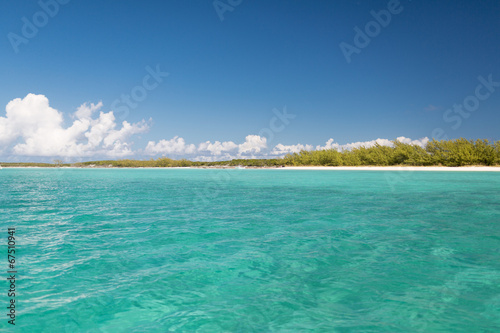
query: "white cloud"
85, 111
421, 142
330, 144
175, 146
32, 128
253, 146
281, 150
217, 148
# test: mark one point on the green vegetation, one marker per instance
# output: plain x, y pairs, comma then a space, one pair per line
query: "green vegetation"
459, 152
243, 162
32, 165
162, 162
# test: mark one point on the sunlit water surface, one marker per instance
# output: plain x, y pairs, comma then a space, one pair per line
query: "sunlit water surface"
139, 250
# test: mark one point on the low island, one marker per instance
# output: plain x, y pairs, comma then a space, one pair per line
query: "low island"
478, 154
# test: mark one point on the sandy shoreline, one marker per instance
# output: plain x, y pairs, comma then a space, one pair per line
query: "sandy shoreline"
330, 168
399, 168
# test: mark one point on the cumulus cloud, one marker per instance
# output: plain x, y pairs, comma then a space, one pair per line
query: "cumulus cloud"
217, 148
330, 144
281, 150
32, 128
176, 146
421, 142
253, 146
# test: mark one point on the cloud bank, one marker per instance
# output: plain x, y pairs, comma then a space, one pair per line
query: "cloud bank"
330, 144
254, 147
32, 128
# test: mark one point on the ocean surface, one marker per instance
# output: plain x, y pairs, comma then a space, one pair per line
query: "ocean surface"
171, 250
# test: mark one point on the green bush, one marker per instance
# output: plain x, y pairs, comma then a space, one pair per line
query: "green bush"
458, 152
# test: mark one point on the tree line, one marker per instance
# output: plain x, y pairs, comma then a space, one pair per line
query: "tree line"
458, 152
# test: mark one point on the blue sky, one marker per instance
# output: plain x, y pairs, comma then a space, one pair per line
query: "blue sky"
225, 77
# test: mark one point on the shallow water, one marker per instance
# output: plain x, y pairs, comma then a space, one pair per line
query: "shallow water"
138, 250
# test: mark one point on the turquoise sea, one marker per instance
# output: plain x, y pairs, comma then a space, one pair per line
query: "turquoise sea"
191, 250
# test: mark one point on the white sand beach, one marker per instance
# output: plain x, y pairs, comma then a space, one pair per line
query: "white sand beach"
331, 168
398, 168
